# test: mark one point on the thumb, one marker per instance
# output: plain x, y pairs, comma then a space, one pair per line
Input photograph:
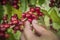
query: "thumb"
39, 29
27, 31
45, 33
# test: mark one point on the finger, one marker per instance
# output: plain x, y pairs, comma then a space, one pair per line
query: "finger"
27, 31
45, 33
39, 29
22, 37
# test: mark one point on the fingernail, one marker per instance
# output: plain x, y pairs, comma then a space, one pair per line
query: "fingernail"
35, 21
27, 21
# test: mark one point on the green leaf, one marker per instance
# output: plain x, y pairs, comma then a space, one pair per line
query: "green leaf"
18, 12
10, 32
23, 5
46, 20
58, 34
45, 12
9, 11
17, 35
54, 16
40, 2
1, 12
56, 26
32, 2
41, 21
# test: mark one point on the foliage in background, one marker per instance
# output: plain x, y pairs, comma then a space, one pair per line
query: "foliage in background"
23, 6
1, 12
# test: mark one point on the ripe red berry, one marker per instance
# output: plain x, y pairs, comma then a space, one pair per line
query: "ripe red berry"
16, 6
13, 18
30, 20
23, 15
6, 25
1, 34
34, 16
27, 15
3, 2
15, 22
15, 1
40, 14
51, 4
7, 35
2, 29
15, 15
32, 9
37, 8
29, 12
1, 25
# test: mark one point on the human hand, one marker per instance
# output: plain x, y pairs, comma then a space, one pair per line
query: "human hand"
28, 34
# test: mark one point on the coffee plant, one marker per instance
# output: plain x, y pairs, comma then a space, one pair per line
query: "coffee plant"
13, 14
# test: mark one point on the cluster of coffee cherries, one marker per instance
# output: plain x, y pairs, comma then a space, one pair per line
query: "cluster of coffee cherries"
54, 3
3, 28
14, 24
15, 4
33, 13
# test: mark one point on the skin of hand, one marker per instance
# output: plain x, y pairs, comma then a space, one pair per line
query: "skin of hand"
29, 35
